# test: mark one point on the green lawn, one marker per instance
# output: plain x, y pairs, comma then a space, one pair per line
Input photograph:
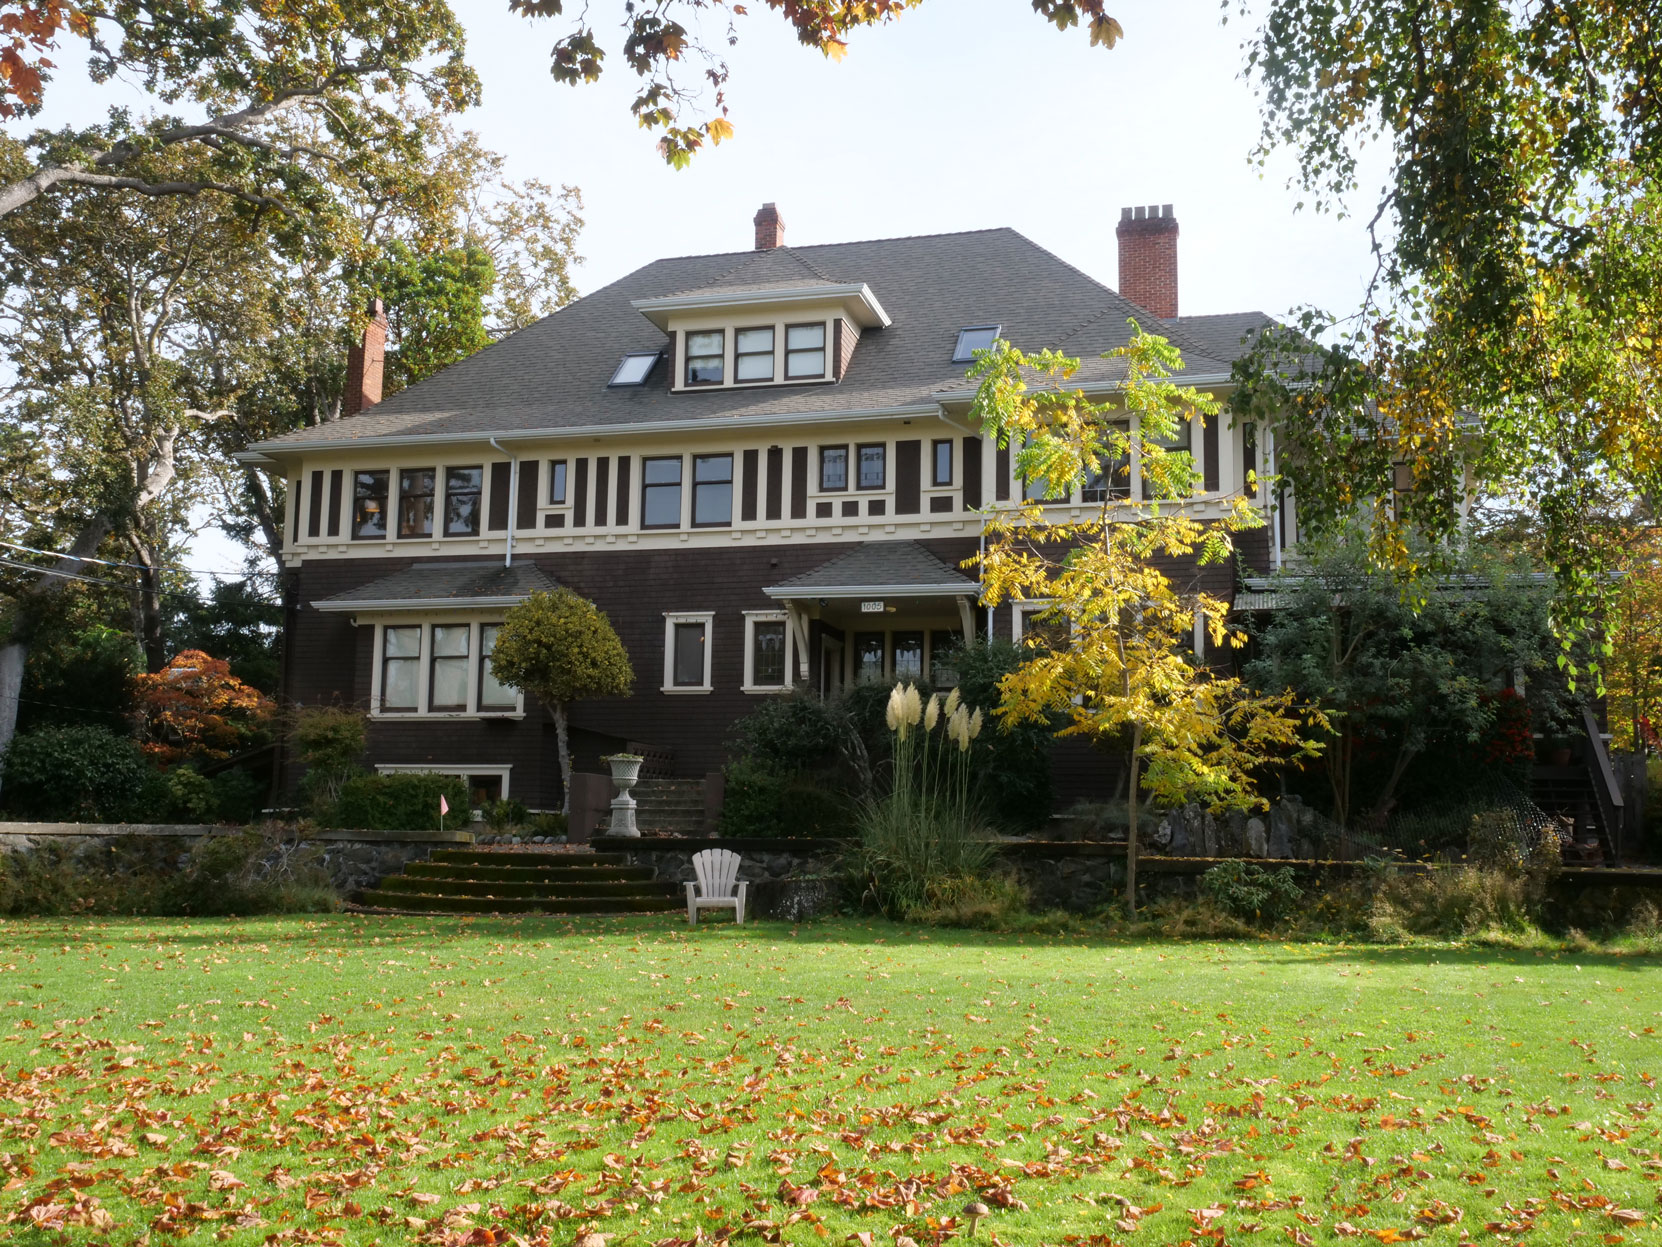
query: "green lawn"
453, 1081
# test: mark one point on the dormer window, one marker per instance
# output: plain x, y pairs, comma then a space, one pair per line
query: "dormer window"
705, 352
634, 368
753, 354
973, 339
804, 352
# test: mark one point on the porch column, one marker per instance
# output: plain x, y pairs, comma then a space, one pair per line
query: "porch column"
799, 629
966, 616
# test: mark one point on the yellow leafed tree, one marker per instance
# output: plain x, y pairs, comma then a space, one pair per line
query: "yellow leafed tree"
1116, 660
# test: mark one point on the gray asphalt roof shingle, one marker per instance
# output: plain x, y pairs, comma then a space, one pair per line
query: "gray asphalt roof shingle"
459, 582
553, 374
879, 565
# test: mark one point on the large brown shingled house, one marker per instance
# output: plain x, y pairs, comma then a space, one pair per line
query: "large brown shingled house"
759, 464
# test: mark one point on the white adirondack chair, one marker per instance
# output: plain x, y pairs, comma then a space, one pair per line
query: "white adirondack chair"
718, 885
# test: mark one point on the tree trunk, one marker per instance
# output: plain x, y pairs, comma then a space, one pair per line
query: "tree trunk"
565, 757
13, 658
1131, 827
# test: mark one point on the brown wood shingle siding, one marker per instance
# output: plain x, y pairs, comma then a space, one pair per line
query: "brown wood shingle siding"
908, 477
314, 521
579, 492
602, 487
799, 482
776, 483
748, 485
1209, 456
1001, 474
336, 484
525, 515
496, 516
972, 473
623, 462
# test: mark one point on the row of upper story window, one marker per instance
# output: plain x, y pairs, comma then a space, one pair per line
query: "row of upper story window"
695, 490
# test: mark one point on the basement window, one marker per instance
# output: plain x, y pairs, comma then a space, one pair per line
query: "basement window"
973, 339
634, 368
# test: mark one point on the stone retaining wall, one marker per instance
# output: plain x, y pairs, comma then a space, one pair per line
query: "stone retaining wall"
352, 859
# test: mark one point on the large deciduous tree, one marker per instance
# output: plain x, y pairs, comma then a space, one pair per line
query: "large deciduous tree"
1510, 341
1115, 656
561, 648
228, 79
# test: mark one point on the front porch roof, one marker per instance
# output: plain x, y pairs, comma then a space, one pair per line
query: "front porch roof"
432, 585
896, 568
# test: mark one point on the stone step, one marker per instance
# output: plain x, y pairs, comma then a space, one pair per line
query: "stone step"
433, 904
555, 876
540, 890
513, 858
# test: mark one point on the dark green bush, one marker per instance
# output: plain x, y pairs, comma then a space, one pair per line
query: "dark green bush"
404, 801
503, 814
238, 796
189, 797
760, 802
551, 824
1251, 893
80, 774
798, 731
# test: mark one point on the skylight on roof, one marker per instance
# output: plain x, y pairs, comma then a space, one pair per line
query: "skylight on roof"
973, 339
634, 368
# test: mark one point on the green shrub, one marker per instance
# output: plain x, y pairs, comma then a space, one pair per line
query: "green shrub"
239, 796
500, 815
189, 797
987, 902
760, 802
330, 740
1251, 893
403, 801
551, 825
795, 732
84, 774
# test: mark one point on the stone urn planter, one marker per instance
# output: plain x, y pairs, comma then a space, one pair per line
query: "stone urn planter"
626, 773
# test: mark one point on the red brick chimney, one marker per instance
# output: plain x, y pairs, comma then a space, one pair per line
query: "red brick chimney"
365, 362
1148, 258
770, 228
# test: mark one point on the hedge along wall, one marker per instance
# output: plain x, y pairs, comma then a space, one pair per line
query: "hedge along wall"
352, 859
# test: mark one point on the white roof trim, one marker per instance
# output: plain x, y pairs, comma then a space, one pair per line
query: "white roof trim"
416, 604
260, 453
786, 593
856, 298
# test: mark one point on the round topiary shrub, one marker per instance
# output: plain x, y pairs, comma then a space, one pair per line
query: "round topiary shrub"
76, 773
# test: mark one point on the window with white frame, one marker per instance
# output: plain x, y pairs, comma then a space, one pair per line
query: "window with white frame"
687, 651
1033, 623
439, 668
768, 648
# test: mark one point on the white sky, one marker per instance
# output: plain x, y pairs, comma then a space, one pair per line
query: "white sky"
964, 114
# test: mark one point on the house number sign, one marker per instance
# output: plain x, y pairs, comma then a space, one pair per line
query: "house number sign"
871, 608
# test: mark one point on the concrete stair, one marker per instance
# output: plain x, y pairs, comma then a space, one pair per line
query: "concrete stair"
485, 881
670, 807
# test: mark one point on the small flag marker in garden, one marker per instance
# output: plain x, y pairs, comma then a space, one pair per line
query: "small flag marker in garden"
444, 808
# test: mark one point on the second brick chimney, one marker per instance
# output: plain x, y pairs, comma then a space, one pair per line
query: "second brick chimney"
366, 362
1148, 258
770, 228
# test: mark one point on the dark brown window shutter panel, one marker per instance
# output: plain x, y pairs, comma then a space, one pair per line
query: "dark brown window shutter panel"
526, 516
799, 482
314, 521
748, 487
294, 505
674, 360
623, 462
1001, 474
837, 349
1249, 448
908, 477
579, 493
776, 483
496, 520
602, 488
972, 473
336, 483
1209, 451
